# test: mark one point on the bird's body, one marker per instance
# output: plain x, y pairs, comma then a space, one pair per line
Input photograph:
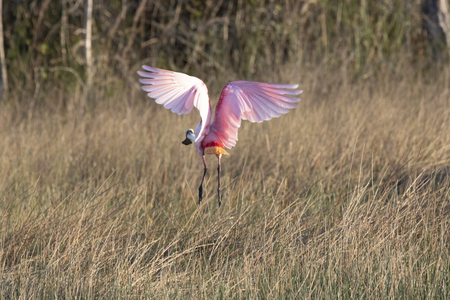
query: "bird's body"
253, 101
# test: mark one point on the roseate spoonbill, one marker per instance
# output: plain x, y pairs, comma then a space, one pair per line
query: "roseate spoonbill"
252, 101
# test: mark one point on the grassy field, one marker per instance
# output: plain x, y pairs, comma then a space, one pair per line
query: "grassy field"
346, 196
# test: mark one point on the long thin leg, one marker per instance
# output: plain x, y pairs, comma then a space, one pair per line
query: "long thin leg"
200, 188
218, 181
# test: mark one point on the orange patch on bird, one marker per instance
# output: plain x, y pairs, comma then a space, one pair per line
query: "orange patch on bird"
215, 150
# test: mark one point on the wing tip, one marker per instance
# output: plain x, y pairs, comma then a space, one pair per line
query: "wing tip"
151, 69
155, 70
284, 85
146, 74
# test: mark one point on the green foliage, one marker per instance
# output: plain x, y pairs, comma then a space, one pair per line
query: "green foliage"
208, 38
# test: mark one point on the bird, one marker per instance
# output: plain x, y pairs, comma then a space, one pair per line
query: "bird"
239, 100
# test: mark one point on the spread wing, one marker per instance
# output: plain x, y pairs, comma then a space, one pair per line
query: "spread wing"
179, 93
253, 101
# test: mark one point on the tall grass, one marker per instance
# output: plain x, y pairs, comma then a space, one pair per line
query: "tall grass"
346, 196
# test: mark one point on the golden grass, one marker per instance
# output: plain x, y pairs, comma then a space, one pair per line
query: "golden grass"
346, 196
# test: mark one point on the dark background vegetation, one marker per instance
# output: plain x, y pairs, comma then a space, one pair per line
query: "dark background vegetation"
45, 40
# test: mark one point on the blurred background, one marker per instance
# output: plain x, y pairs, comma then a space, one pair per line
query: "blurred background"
72, 44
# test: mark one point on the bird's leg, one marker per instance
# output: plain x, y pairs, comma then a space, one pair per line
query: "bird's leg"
218, 181
200, 188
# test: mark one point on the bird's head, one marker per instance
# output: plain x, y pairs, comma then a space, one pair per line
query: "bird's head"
190, 137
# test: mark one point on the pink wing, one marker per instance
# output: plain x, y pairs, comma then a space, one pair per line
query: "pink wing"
253, 101
178, 92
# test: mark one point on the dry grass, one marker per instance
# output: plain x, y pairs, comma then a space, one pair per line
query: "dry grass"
346, 196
